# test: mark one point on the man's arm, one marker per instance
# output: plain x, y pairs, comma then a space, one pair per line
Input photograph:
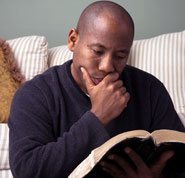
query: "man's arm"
35, 150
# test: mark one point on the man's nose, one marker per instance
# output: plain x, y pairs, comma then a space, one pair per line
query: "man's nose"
106, 64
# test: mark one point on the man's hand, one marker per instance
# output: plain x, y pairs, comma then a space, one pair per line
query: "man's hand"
125, 170
108, 98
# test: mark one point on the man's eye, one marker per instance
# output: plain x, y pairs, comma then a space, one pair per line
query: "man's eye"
121, 57
97, 52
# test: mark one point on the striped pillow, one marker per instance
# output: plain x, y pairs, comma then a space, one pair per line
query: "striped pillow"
59, 55
4, 152
6, 173
31, 53
4, 141
164, 57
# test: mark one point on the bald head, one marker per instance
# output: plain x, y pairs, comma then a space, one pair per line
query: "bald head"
103, 12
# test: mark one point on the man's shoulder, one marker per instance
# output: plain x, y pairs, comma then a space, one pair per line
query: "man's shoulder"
53, 73
132, 69
137, 73
57, 69
135, 77
48, 79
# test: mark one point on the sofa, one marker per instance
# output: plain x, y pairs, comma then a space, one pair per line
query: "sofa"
162, 55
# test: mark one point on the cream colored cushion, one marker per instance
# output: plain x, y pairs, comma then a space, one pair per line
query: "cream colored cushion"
6, 173
59, 55
4, 152
31, 53
4, 141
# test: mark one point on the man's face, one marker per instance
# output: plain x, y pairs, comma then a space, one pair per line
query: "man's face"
101, 51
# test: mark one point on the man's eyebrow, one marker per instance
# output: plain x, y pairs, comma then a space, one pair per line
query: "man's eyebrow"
123, 51
96, 45
103, 47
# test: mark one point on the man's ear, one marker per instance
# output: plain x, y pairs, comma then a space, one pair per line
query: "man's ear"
72, 39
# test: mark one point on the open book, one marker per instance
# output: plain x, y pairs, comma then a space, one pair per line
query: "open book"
148, 145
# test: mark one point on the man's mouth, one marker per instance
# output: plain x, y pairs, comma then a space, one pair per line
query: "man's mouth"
96, 80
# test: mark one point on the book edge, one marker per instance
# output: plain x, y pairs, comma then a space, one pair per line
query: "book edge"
95, 155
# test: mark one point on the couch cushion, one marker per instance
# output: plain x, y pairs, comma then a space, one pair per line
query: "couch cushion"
4, 144
59, 55
31, 53
164, 57
6, 173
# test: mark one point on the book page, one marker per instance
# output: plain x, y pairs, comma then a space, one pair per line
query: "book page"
165, 135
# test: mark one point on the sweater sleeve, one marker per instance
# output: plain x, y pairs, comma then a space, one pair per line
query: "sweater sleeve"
34, 149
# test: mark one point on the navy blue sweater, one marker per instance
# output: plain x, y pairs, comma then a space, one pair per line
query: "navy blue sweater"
52, 129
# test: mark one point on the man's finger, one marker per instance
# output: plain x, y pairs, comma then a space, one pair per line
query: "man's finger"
88, 82
166, 156
112, 77
163, 159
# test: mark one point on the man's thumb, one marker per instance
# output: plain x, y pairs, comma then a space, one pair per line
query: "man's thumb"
88, 82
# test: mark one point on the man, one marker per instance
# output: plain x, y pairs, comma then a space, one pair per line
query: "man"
58, 117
